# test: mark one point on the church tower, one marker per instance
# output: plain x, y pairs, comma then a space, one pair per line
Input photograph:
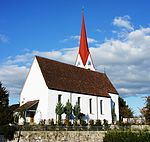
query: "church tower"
84, 59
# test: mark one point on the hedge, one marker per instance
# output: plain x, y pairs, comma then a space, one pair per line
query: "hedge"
126, 136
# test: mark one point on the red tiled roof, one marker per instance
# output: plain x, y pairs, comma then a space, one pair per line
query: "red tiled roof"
27, 105
65, 77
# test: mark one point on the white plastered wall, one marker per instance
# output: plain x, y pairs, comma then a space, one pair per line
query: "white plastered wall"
35, 89
115, 99
106, 109
79, 63
84, 105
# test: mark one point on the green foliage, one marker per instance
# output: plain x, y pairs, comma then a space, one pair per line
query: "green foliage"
146, 110
91, 122
98, 123
75, 123
106, 126
76, 111
83, 122
67, 122
126, 136
8, 131
51, 122
68, 110
4, 109
124, 110
59, 111
6, 116
3, 96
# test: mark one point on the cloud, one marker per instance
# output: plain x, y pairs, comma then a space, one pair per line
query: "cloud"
123, 22
77, 37
3, 38
98, 30
14, 70
13, 77
126, 63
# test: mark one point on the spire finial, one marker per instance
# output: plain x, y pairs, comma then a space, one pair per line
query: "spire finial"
82, 10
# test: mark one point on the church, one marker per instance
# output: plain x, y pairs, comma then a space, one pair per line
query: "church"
49, 82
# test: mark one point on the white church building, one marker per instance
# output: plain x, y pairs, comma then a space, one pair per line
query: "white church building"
50, 81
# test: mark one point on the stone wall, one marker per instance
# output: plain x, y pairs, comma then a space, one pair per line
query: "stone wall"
60, 136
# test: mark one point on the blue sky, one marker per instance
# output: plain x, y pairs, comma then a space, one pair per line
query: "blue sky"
118, 35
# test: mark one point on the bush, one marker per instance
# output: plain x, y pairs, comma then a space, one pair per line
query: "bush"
8, 131
126, 136
75, 123
67, 122
91, 122
83, 123
98, 123
106, 126
51, 122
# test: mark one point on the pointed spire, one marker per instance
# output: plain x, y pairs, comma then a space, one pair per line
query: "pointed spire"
83, 50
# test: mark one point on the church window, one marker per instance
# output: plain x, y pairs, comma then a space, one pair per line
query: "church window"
59, 98
101, 106
78, 100
90, 105
79, 63
89, 62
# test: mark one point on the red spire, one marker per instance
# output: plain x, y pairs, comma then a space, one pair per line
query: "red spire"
83, 50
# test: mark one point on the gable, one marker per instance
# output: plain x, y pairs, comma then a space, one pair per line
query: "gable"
65, 77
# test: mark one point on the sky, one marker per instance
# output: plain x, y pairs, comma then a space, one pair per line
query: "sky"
118, 36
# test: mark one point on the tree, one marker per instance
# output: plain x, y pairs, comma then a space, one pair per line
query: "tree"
124, 110
76, 111
146, 110
68, 110
59, 111
6, 116
4, 108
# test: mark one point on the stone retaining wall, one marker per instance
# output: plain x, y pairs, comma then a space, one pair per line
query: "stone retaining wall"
60, 136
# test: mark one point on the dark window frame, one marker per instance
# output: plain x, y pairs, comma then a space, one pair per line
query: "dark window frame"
101, 106
79, 101
59, 97
90, 105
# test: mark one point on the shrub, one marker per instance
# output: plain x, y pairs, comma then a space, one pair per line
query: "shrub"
83, 123
126, 136
91, 122
42, 122
51, 122
98, 123
106, 126
8, 131
75, 123
67, 122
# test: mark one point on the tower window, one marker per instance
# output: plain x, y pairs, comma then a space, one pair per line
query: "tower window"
59, 98
90, 105
79, 63
89, 62
101, 107
78, 100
